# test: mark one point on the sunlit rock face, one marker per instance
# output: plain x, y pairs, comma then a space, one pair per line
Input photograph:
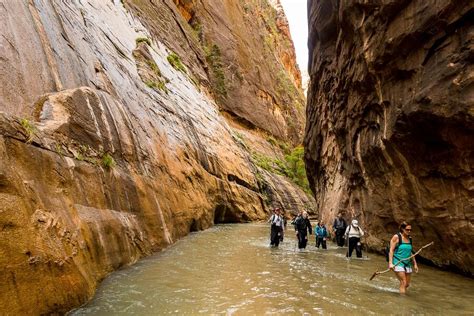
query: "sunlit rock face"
112, 144
248, 43
390, 120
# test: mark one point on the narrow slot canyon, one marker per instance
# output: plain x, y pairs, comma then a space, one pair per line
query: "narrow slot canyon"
145, 147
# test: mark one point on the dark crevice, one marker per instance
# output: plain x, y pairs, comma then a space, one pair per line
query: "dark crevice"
235, 179
244, 122
223, 214
194, 227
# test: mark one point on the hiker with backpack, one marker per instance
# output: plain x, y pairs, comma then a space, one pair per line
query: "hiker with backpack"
401, 248
276, 230
339, 227
302, 227
321, 234
353, 234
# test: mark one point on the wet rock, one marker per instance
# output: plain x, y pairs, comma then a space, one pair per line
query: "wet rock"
389, 133
248, 51
100, 166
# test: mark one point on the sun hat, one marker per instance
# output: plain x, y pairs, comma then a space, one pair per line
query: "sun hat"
355, 223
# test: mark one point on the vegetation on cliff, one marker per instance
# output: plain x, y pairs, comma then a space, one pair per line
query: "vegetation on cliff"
292, 166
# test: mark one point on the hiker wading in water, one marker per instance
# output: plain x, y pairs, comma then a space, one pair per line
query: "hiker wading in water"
339, 227
321, 235
302, 227
276, 230
354, 233
401, 248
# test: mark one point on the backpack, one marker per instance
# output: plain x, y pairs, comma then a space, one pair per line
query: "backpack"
300, 224
387, 249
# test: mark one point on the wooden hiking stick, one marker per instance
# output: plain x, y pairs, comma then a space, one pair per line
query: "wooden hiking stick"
409, 258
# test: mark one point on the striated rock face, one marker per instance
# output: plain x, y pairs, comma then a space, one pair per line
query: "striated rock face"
112, 146
250, 53
390, 120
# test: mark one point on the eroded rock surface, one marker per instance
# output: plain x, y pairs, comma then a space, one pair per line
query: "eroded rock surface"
390, 120
112, 145
249, 52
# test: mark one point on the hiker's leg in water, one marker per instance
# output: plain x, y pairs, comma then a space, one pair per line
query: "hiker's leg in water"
305, 241
274, 238
277, 238
338, 237
352, 243
300, 240
271, 236
408, 279
323, 243
358, 248
401, 276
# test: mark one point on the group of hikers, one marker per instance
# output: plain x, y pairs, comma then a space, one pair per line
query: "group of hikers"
398, 253
353, 233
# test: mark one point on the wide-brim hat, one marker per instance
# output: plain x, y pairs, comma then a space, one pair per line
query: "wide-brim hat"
355, 223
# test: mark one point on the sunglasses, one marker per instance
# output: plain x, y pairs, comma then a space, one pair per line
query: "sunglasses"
408, 230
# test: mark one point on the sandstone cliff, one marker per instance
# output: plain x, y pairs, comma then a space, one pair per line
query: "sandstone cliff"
390, 120
122, 129
246, 43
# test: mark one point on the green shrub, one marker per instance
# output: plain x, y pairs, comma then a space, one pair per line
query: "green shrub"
29, 128
296, 168
292, 167
154, 67
197, 30
284, 146
214, 59
59, 150
272, 140
146, 40
263, 161
175, 61
108, 161
157, 85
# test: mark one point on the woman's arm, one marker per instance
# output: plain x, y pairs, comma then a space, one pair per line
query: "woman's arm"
393, 244
415, 266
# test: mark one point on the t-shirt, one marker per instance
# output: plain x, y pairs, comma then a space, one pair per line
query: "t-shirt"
276, 220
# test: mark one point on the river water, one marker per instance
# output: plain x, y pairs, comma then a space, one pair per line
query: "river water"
230, 269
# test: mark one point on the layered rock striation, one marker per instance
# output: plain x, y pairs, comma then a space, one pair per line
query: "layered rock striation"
390, 133
249, 53
112, 145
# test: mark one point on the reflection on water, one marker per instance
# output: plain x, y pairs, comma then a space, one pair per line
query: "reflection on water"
231, 270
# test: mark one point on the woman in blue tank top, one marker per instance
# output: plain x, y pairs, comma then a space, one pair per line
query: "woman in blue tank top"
401, 248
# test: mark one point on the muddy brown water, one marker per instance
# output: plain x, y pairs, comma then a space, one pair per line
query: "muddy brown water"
230, 270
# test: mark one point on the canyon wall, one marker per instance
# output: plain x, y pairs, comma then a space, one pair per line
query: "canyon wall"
124, 125
248, 42
390, 120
